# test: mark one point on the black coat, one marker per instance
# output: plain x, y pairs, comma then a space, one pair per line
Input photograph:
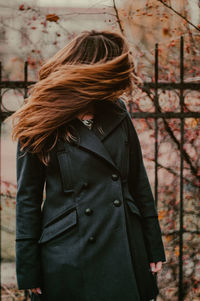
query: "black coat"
98, 229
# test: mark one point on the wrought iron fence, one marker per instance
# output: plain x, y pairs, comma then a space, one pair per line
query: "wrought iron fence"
181, 115
181, 86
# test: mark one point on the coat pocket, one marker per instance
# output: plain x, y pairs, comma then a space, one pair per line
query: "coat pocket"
60, 225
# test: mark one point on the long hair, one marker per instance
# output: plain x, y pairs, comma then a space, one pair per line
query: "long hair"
94, 66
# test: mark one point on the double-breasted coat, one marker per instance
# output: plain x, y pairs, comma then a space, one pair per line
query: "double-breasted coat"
96, 232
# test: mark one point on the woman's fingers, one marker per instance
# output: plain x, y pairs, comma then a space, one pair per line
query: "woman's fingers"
156, 266
152, 265
36, 290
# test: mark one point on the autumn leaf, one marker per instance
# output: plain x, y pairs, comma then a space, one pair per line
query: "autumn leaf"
52, 18
165, 31
44, 23
172, 43
187, 48
168, 238
161, 214
21, 7
31, 62
177, 251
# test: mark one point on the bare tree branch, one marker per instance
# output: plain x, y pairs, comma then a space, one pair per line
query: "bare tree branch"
186, 156
170, 170
118, 18
9, 292
179, 14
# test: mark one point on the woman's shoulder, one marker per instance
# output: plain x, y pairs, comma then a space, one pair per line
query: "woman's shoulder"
122, 104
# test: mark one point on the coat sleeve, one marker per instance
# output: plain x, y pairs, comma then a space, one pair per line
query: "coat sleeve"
30, 173
141, 190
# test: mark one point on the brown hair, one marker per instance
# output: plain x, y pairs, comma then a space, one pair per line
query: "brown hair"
94, 66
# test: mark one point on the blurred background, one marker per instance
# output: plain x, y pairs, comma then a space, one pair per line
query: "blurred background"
165, 111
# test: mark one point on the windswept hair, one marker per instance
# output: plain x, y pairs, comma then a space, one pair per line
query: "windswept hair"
94, 66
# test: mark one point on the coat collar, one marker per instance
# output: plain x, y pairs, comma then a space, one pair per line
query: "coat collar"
109, 117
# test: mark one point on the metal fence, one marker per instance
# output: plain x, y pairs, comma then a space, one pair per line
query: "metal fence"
181, 86
181, 115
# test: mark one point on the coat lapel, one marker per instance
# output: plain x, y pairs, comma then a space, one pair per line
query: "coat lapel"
92, 140
89, 141
109, 118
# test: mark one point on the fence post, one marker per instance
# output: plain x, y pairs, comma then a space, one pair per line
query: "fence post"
180, 297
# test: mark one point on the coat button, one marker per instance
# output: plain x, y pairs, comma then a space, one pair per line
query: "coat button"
117, 203
115, 177
88, 211
91, 239
85, 185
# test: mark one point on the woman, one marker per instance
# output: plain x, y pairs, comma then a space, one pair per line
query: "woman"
96, 236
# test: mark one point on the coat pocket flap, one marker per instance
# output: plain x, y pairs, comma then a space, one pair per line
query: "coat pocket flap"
58, 213
59, 226
133, 207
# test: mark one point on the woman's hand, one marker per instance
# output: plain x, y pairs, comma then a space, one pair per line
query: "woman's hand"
36, 290
156, 266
